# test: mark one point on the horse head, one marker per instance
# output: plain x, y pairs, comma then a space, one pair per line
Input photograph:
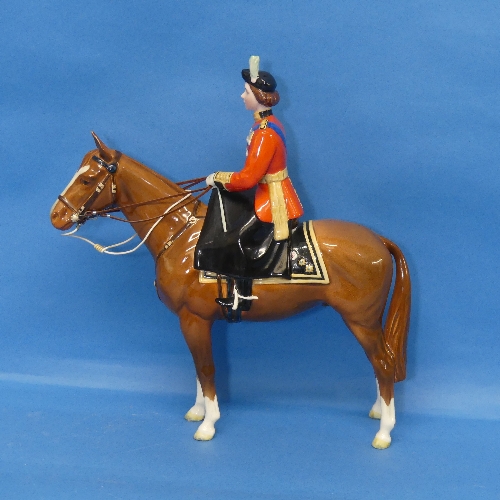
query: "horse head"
91, 188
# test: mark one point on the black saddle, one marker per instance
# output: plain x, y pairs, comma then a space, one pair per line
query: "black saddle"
234, 242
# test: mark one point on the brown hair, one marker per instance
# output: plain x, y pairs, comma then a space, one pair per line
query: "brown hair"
266, 98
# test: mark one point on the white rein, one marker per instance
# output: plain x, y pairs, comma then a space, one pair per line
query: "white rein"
106, 249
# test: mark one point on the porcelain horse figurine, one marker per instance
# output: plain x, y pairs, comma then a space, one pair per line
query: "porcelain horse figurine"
169, 218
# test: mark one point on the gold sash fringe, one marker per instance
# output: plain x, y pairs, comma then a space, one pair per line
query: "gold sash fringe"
278, 205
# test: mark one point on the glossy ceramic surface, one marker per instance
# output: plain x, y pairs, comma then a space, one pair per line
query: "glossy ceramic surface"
359, 263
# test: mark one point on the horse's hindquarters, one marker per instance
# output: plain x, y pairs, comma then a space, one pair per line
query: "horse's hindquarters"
359, 267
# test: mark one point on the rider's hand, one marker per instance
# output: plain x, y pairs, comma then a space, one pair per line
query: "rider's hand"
210, 180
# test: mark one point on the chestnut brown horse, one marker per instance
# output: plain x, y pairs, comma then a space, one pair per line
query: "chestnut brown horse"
168, 219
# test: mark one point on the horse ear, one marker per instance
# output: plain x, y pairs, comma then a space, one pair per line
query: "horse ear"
107, 154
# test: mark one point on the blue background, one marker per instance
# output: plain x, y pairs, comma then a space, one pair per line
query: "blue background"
391, 110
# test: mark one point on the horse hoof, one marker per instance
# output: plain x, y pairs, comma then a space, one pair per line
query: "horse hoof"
194, 415
204, 435
380, 444
375, 414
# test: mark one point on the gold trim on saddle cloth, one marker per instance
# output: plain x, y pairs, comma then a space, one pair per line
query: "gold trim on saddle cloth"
318, 274
278, 205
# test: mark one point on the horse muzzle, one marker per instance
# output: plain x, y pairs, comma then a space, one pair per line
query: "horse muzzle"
62, 217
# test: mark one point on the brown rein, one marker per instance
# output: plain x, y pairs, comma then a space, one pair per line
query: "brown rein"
184, 184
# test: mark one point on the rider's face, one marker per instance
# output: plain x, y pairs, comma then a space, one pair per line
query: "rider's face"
249, 99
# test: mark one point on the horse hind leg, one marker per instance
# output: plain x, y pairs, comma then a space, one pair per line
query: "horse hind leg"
387, 422
372, 341
376, 410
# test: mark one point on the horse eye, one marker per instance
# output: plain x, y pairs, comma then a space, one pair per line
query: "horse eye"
85, 182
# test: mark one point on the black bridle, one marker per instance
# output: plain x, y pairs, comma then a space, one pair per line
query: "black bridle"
110, 167
82, 214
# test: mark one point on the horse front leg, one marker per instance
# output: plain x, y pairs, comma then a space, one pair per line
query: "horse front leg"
196, 331
197, 411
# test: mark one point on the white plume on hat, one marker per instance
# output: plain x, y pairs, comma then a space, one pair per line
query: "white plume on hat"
254, 68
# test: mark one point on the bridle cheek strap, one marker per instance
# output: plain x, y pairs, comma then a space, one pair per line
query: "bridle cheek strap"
78, 214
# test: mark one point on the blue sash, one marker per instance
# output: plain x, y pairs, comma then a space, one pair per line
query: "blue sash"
275, 128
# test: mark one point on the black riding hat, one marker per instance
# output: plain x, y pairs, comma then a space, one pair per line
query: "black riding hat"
261, 80
265, 82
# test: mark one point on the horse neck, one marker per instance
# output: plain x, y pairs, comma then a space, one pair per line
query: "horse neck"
135, 183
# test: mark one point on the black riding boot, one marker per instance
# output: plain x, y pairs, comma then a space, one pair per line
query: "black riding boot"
244, 287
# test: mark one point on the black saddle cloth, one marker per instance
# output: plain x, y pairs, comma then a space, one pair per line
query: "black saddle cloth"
247, 248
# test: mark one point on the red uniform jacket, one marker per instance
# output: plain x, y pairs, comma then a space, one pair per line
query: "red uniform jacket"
266, 155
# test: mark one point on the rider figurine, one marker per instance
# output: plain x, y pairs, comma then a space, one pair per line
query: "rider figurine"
275, 199
276, 204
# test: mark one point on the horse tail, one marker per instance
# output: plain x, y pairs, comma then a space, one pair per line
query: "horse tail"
398, 317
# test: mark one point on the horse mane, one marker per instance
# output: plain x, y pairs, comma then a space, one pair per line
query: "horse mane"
162, 179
